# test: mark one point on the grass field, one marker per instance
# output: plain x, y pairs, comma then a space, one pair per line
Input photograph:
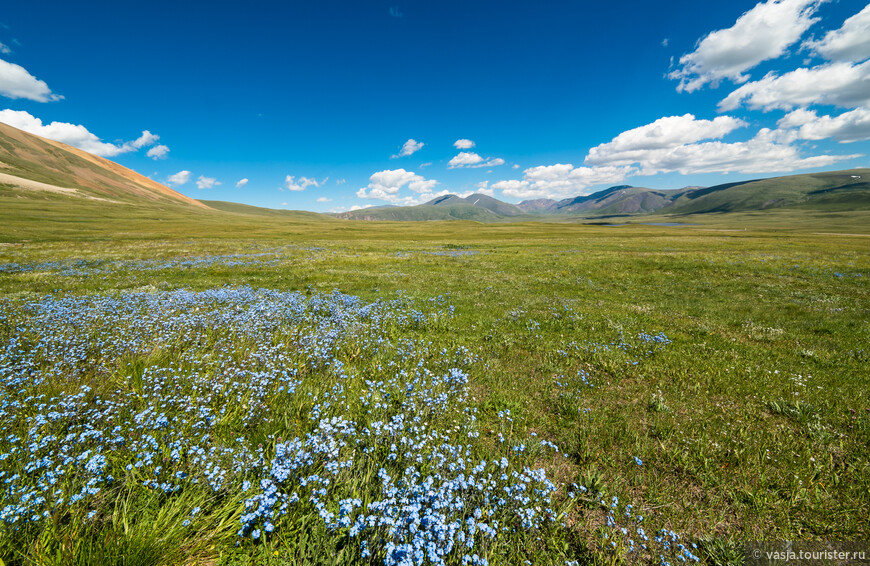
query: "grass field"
537, 389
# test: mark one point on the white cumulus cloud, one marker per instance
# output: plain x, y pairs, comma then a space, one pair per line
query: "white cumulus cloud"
339, 209
16, 82
633, 145
849, 43
465, 159
241, 183
463, 144
409, 147
561, 180
851, 126
838, 84
179, 178
302, 183
680, 143
471, 159
385, 185
72, 134
206, 182
765, 32
158, 152
512, 187
767, 152
324, 199
686, 145
146, 139
481, 188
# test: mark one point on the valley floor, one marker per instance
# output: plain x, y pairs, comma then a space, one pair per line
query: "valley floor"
640, 382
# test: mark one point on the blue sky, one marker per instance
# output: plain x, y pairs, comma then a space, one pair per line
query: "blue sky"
332, 105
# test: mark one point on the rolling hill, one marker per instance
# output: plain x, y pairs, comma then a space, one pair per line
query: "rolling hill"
51, 191
272, 213
832, 191
36, 167
494, 205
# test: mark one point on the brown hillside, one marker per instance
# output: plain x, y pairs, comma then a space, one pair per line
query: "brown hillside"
49, 162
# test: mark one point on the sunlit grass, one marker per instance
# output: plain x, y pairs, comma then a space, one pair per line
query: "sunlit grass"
751, 423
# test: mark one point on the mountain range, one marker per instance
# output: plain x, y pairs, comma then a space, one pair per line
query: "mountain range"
830, 191
42, 180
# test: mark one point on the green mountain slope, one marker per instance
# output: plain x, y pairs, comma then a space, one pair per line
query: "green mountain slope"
494, 205
622, 199
479, 200
836, 190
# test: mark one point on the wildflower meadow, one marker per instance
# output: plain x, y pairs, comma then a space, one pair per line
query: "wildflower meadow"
656, 398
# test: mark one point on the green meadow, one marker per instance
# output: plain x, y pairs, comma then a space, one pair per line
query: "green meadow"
725, 390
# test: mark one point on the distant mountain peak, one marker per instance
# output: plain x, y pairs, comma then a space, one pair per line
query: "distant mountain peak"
443, 199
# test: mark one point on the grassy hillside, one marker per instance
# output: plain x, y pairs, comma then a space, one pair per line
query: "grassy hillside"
57, 169
834, 191
36, 216
479, 200
238, 208
495, 205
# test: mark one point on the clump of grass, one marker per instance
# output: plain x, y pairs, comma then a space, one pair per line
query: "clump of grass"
797, 410
803, 413
721, 551
657, 403
594, 481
